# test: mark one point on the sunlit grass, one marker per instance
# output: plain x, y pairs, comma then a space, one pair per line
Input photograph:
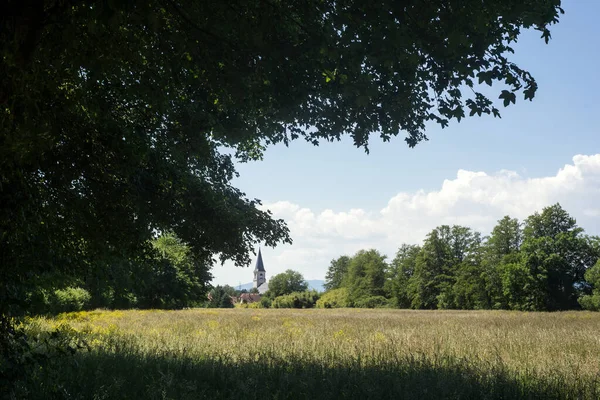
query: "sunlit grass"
499, 354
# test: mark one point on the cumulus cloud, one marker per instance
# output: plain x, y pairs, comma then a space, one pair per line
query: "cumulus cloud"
475, 199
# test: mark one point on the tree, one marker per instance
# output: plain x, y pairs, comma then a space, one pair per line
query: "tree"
557, 253
113, 114
445, 249
469, 290
220, 297
519, 287
366, 275
287, 282
500, 251
506, 237
592, 301
336, 273
401, 270
179, 279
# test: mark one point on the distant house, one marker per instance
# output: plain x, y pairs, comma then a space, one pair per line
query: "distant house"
247, 298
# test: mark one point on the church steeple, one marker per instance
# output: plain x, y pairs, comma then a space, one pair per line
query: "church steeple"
259, 262
260, 276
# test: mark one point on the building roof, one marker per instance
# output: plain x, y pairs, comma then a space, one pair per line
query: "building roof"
249, 297
259, 263
262, 289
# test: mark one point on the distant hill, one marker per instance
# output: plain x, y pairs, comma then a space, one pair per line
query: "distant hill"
316, 284
246, 286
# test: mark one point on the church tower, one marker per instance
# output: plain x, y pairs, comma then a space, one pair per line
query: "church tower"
260, 276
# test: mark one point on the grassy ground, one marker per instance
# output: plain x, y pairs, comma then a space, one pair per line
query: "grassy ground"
323, 354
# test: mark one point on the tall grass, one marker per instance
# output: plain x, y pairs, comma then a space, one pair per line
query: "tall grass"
351, 353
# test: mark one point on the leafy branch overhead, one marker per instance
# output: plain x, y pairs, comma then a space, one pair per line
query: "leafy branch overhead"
114, 114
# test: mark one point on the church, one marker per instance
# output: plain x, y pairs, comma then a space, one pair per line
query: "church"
260, 276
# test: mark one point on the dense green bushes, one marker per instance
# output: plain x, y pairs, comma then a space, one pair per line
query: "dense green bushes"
170, 277
371, 302
336, 298
592, 301
71, 299
306, 299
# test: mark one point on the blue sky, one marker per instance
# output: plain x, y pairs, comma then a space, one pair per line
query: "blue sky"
316, 188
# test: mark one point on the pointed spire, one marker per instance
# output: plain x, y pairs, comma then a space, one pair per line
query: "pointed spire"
259, 262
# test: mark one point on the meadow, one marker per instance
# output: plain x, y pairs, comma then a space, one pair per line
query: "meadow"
321, 354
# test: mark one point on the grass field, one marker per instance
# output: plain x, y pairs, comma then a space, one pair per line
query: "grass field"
323, 354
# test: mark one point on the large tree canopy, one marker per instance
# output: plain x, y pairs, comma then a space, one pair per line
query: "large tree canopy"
114, 114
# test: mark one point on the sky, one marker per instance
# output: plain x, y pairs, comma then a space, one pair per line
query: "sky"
337, 200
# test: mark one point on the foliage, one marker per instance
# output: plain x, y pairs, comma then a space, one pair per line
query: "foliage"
592, 301
113, 114
401, 269
71, 299
336, 272
543, 264
306, 299
557, 254
371, 302
285, 283
179, 279
500, 249
24, 355
265, 302
336, 298
366, 275
118, 118
445, 249
219, 297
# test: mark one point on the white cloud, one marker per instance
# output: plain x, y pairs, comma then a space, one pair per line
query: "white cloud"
475, 199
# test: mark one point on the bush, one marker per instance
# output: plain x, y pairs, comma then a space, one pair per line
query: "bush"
70, 299
371, 302
296, 300
39, 301
591, 303
336, 298
265, 302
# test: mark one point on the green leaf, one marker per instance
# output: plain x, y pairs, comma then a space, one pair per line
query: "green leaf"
508, 97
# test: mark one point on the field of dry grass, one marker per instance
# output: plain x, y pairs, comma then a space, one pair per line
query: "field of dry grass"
346, 353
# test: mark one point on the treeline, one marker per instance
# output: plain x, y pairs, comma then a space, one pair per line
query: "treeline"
167, 276
545, 263
288, 289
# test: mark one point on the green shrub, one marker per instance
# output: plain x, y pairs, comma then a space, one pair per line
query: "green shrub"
70, 299
371, 302
39, 300
265, 302
336, 298
591, 303
306, 299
